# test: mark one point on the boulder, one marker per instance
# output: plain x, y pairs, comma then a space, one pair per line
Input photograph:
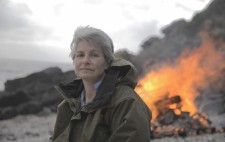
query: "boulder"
13, 99
30, 108
33, 93
35, 82
8, 112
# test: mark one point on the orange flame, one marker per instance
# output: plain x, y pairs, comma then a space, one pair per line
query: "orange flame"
190, 72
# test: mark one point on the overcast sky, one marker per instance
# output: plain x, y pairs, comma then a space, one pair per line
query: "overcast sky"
43, 29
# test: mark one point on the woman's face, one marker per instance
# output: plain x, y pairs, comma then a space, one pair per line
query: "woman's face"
89, 62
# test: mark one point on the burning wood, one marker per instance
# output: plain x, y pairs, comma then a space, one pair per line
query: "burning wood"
168, 123
166, 115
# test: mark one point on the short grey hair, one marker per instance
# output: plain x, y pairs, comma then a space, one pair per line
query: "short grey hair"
96, 37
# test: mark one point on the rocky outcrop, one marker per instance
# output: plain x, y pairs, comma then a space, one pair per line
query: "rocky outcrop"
183, 35
32, 93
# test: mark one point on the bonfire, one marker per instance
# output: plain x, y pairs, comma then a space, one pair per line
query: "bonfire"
170, 90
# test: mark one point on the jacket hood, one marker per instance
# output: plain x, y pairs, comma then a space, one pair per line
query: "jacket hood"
127, 72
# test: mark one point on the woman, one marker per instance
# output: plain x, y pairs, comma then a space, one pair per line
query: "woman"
100, 105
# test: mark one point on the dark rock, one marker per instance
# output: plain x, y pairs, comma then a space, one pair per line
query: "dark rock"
8, 112
50, 98
31, 94
13, 99
148, 43
177, 26
30, 108
42, 81
181, 34
67, 76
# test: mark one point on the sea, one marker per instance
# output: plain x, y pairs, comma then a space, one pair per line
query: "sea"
13, 68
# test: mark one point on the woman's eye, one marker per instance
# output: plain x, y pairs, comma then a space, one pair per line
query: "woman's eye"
94, 55
79, 55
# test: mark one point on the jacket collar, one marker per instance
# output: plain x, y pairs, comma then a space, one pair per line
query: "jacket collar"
72, 90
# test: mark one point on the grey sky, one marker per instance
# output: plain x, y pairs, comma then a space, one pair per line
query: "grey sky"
19, 36
42, 30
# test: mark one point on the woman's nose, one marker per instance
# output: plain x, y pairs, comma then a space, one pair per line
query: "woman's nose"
86, 59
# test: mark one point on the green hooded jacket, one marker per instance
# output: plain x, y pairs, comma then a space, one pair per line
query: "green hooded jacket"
117, 113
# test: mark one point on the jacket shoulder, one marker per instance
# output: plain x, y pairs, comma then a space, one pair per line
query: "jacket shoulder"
123, 93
